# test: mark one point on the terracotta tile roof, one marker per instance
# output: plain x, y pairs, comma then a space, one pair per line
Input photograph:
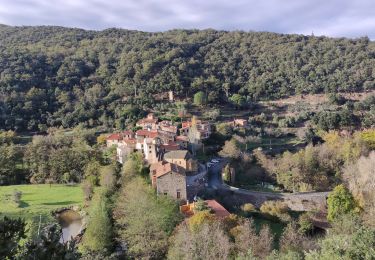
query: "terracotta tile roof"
160, 168
157, 165
114, 137
170, 128
189, 123
217, 208
146, 133
130, 141
171, 146
182, 138
186, 124
166, 123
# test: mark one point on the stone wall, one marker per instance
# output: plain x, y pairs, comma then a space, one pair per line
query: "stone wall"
304, 201
171, 182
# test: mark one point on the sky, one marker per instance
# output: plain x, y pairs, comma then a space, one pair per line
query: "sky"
337, 18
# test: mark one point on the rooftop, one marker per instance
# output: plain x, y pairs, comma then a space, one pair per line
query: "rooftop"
147, 121
160, 168
178, 154
130, 141
217, 208
171, 146
147, 133
114, 137
182, 138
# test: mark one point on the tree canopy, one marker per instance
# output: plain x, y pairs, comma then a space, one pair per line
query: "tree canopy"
52, 76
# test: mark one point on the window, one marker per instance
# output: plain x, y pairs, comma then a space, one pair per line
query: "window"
178, 194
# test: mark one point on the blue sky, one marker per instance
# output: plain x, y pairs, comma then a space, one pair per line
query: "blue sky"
342, 18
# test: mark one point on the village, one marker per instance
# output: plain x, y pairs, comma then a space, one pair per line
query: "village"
170, 153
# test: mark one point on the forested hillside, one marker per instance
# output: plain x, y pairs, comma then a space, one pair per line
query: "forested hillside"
52, 76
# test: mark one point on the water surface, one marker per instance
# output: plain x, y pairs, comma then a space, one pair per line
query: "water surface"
71, 224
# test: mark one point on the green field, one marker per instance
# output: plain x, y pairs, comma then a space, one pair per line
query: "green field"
38, 201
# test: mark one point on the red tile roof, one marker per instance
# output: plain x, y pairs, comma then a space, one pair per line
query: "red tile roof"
130, 141
186, 124
171, 146
217, 208
182, 138
160, 168
114, 137
146, 133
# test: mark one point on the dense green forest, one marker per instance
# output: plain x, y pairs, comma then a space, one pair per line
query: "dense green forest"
52, 76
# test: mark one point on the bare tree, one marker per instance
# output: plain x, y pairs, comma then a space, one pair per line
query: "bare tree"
292, 240
208, 242
246, 239
360, 179
230, 150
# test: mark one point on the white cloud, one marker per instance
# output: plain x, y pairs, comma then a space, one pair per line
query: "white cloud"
324, 17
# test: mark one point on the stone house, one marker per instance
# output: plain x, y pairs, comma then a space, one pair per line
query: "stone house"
178, 175
202, 129
124, 148
168, 126
183, 159
118, 138
169, 179
113, 139
150, 122
182, 141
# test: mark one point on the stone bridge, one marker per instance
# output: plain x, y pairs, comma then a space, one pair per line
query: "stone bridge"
302, 201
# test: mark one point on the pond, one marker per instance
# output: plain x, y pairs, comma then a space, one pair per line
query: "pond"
71, 224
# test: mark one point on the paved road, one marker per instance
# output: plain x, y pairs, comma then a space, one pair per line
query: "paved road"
214, 174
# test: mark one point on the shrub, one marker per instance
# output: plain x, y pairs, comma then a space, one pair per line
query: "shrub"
224, 129
200, 205
16, 197
101, 139
305, 224
369, 138
88, 190
200, 218
248, 208
276, 209
340, 201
